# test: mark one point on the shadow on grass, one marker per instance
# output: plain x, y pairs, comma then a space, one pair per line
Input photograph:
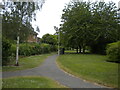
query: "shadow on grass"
88, 53
113, 61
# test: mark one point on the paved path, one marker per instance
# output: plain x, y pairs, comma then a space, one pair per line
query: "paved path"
51, 70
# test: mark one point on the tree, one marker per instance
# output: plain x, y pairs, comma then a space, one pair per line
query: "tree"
18, 15
105, 26
76, 25
49, 39
89, 24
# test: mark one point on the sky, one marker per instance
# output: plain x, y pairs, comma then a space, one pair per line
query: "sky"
50, 15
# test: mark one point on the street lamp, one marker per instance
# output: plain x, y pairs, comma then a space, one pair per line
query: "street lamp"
58, 31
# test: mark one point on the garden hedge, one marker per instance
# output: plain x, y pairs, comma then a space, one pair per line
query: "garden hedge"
113, 52
25, 49
6, 46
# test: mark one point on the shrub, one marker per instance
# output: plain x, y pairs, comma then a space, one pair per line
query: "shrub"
37, 49
113, 52
25, 49
6, 45
45, 48
33, 49
13, 50
53, 48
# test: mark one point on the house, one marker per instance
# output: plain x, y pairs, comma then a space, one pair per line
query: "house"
32, 38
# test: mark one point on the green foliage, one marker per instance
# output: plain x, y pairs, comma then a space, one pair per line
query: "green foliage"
89, 24
53, 48
33, 49
25, 49
45, 48
49, 39
113, 52
6, 46
17, 17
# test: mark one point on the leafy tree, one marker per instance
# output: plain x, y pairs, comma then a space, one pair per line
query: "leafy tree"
104, 25
17, 17
89, 24
76, 25
16, 20
49, 39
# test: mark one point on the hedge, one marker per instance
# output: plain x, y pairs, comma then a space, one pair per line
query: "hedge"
113, 52
33, 49
6, 46
25, 49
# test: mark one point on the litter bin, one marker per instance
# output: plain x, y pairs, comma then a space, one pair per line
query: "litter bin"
62, 50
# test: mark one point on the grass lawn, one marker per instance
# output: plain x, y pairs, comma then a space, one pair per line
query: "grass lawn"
90, 67
27, 62
30, 82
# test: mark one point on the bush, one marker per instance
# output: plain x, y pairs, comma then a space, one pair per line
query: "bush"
113, 52
6, 46
45, 48
53, 48
32, 49
25, 49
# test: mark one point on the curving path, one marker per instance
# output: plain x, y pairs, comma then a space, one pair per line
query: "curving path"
51, 70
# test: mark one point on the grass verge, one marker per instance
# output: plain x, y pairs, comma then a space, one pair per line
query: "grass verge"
27, 62
90, 67
30, 82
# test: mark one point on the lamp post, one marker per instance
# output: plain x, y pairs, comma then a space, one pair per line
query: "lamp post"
58, 31
58, 42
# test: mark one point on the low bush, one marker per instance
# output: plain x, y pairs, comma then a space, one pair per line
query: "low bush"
32, 49
45, 48
25, 49
53, 48
113, 52
6, 46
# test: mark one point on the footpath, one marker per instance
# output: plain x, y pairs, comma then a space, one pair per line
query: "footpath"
51, 70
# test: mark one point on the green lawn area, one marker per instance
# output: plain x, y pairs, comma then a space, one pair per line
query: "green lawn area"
30, 82
27, 62
93, 68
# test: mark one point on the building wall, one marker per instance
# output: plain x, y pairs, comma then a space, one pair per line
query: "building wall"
32, 38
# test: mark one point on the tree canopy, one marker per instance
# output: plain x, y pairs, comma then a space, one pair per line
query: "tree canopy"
89, 24
49, 39
17, 17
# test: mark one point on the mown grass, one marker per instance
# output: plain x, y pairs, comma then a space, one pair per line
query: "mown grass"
27, 62
30, 82
90, 67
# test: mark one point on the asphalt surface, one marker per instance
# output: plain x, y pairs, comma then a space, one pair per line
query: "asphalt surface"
50, 69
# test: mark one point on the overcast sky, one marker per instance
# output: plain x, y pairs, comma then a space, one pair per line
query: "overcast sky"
50, 15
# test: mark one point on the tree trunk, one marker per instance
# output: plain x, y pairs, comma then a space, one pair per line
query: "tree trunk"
83, 49
17, 52
80, 49
77, 49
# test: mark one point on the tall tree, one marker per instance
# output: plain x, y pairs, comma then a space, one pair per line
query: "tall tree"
18, 15
89, 24
105, 25
76, 25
